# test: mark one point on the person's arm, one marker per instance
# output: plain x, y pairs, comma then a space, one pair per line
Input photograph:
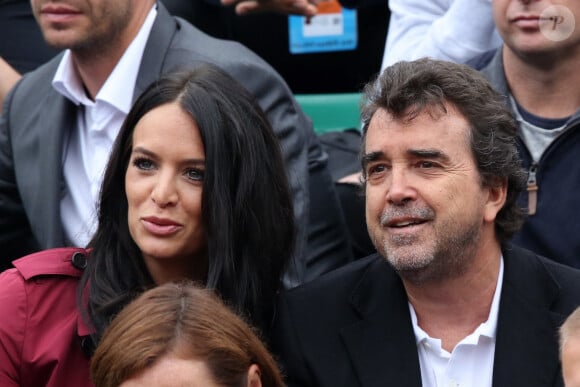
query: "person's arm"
8, 78
458, 31
16, 238
286, 7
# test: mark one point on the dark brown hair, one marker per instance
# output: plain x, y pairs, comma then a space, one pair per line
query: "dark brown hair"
186, 320
406, 89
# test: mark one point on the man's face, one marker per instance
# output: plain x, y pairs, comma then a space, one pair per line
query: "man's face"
425, 204
538, 26
83, 24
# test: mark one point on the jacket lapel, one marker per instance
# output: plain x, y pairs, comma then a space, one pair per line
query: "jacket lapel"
58, 117
526, 352
156, 50
382, 345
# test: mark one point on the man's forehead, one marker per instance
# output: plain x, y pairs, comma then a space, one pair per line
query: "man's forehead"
430, 129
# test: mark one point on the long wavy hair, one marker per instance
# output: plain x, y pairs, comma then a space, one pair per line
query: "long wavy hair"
246, 203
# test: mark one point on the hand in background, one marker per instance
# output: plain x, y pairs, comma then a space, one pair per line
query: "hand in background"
288, 7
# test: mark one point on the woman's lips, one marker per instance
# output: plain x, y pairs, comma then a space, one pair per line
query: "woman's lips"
162, 227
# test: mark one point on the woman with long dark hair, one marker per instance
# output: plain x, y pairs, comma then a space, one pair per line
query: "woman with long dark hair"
195, 190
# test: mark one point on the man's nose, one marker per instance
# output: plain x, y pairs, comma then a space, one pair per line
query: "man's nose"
400, 190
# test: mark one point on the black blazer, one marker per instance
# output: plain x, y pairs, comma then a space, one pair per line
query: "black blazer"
352, 327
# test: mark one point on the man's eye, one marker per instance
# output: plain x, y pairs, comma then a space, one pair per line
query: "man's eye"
426, 164
376, 169
195, 174
143, 163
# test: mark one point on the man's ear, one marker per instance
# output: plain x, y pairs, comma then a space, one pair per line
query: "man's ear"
254, 376
497, 194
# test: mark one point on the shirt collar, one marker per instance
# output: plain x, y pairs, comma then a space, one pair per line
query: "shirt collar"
487, 328
119, 87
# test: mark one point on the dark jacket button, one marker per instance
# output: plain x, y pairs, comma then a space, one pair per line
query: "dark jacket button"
79, 260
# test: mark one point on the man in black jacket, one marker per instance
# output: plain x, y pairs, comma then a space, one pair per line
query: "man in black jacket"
447, 300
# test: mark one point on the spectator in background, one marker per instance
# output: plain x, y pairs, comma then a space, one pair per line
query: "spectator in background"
179, 334
454, 30
448, 300
61, 120
195, 190
537, 71
570, 349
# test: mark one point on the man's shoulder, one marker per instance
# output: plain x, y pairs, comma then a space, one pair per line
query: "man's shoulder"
190, 46
35, 85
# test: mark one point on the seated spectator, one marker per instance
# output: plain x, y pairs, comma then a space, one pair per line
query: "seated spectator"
180, 334
447, 301
570, 349
536, 70
195, 190
454, 30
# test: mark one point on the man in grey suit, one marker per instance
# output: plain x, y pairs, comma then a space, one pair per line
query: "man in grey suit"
447, 301
60, 121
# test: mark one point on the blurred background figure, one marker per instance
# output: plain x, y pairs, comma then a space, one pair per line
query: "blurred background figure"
177, 335
536, 69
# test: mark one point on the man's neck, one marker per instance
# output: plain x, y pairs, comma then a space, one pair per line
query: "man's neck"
96, 63
544, 86
94, 68
453, 309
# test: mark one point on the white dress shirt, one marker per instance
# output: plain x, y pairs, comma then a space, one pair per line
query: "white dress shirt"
88, 145
470, 364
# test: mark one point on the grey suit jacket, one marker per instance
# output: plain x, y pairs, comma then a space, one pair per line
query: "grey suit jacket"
352, 327
37, 118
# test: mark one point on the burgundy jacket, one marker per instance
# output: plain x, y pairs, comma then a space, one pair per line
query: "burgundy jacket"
41, 330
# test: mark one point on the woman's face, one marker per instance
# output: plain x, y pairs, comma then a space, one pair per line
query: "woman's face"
163, 183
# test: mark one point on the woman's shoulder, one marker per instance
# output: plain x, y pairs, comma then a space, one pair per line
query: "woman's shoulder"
64, 261
44, 328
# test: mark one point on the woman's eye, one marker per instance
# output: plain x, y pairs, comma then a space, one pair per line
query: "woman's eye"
143, 163
195, 174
